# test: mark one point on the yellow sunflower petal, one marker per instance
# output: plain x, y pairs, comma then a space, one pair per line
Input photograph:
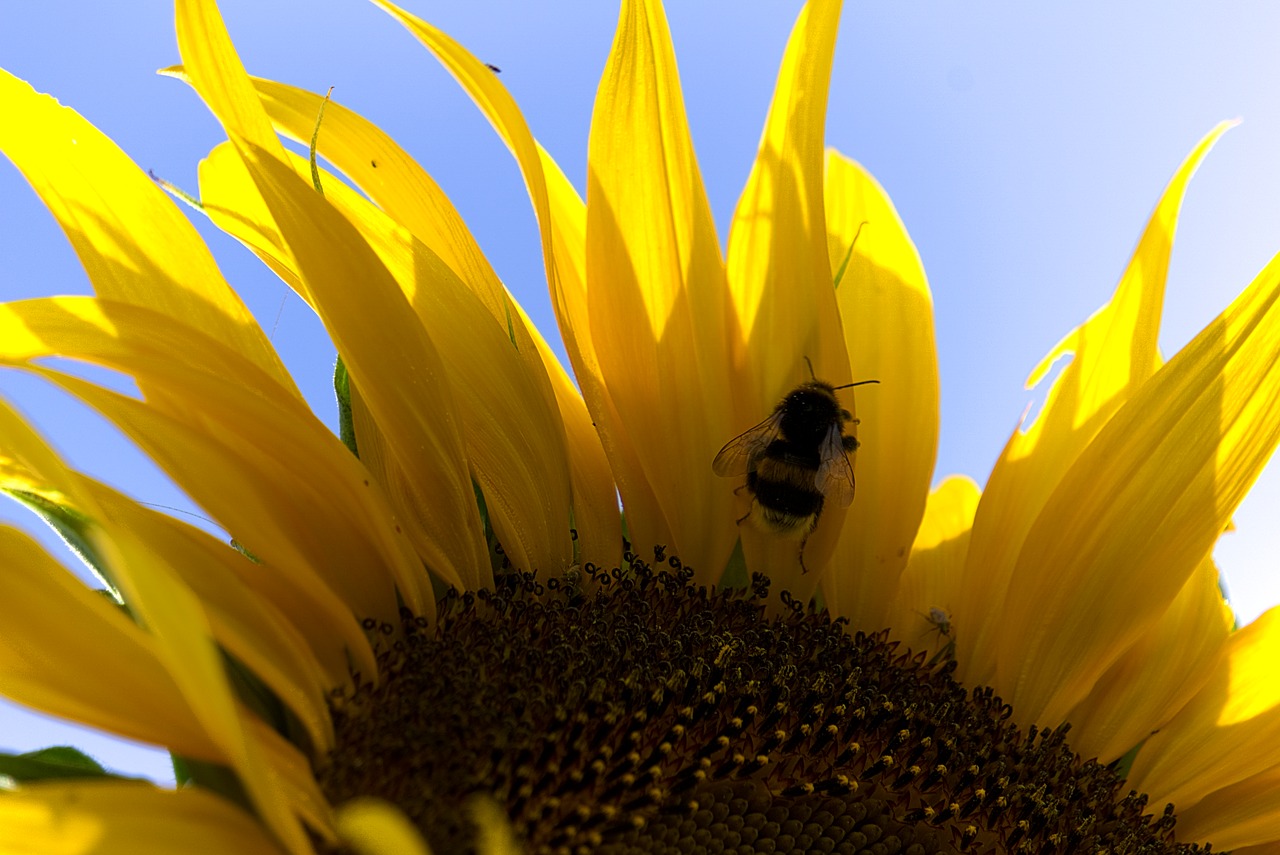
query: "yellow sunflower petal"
231, 201
1156, 676
655, 291
218, 76
192, 386
245, 624
569, 214
405, 192
388, 354
1141, 506
106, 673
1239, 815
391, 178
781, 285
500, 109
246, 492
934, 572
1227, 734
132, 240
1114, 352
778, 270
595, 498
293, 777
119, 818
168, 610
374, 827
561, 220
887, 312
523, 473
1263, 849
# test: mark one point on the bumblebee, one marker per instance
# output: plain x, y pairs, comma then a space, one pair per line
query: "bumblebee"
795, 461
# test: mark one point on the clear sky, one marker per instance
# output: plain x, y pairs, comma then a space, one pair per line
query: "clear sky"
1024, 145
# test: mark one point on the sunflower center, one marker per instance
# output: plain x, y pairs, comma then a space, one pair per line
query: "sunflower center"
645, 715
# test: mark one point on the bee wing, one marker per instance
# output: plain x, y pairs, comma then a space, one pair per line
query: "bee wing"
835, 474
739, 455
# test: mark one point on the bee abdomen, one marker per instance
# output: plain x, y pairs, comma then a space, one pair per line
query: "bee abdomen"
785, 495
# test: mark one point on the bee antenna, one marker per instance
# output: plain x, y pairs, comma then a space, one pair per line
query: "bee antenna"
859, 383
812, 376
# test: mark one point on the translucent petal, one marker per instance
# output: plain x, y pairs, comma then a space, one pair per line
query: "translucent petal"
887, 314
1114, 352
934, 572
132, 240
106, 674
1158, 674
1228, 734
655, 291
1141, 507
778, 268
115, 818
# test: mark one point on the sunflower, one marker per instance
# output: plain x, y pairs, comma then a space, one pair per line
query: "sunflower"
437, 633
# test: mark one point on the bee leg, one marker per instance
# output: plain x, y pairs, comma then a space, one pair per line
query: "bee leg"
803, 541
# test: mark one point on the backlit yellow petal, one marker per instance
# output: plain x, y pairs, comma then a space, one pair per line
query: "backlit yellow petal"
1141, 507
934, 572
393, 362
569, 214
1236, 816
389, 356
252, 494
402, 189
561, 221
515, 445
293, 778
887, 314
245, 624
1114, 352
169, 611
374, 827
1158, 674
126, 818
393, 180
778, 269
1228, 733
500, 109
191, 386
655, 291
132, 240
106, 674
595, 505
218, 76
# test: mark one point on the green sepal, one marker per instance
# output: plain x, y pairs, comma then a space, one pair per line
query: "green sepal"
74, 528
735, 575
342, 389
57, 762
494, 548
311, 149
1122, 766
844, 264
211, 776
258, 696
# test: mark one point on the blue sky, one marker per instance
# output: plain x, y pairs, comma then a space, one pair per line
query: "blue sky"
1024, 145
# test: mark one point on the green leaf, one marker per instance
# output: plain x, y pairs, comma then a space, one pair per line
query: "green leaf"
55, 762
844, 265
211, 776
74, 528
342, 388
